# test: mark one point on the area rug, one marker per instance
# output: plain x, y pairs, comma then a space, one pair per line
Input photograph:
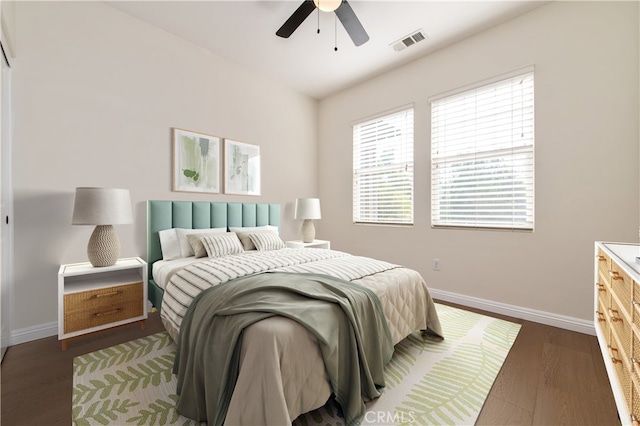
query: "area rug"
427, 382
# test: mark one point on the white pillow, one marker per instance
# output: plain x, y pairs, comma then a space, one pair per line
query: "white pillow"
243, 234
222, 244
169, 244
255, 228
174, 242
185, 247
266, 241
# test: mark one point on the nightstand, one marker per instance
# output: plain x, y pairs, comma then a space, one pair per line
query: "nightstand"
92, 298
323, 244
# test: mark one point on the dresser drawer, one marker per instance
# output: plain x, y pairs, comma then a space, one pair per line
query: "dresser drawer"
635, 401
622, 287
621, 329
93, 308
604, 295
622, 370
602, 320
604, 263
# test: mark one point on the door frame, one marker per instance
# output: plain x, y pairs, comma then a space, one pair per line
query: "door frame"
6, 205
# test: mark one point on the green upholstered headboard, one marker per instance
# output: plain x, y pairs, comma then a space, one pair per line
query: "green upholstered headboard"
203, 214
162, 214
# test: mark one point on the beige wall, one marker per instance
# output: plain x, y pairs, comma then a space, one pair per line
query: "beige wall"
96, 93
587, 183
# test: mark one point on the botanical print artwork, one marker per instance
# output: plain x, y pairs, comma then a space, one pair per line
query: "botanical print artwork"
242, 168
196, 162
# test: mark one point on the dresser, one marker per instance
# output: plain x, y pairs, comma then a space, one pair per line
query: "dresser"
617, 322
92, 298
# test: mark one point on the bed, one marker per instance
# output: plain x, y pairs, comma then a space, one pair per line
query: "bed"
281, 369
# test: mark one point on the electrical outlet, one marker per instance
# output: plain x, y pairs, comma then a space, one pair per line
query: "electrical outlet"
436, 264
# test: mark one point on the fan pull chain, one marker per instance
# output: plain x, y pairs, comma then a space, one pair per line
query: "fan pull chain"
318, 10
335, 32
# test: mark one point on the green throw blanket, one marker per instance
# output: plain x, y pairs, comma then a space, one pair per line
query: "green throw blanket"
339, 313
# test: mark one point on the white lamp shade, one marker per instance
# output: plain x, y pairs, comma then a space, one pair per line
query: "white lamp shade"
307, 208
102, 206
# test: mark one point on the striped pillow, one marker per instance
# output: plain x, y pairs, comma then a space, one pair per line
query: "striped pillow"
243, 234
222, 244
196, 243
266, 241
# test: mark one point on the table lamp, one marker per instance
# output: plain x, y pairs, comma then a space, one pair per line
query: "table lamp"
307, 209
103, 207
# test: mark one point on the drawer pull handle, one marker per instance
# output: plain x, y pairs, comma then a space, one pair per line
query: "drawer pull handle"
612, 315
600, 316
601, 258
111, 293
615, 275
101, 314
601, 287
613, 358
634, 420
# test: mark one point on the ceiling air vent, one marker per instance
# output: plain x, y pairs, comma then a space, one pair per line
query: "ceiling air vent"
409, 40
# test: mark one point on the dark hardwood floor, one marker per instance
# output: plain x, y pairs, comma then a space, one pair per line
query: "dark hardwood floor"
550, 377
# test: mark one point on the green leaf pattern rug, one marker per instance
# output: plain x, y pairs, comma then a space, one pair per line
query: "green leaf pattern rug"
428, 382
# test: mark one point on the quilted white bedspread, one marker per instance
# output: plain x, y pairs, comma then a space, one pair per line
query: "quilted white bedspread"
281, 369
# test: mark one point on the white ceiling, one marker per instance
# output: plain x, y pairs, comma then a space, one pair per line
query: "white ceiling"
244, 32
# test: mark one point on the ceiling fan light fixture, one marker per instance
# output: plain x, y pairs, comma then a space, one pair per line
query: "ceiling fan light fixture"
327, 5
343, 11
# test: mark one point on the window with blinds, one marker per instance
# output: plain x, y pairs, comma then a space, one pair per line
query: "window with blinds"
482, 155
383, 169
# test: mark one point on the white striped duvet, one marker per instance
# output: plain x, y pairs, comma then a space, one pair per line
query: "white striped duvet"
184, 285
281, 372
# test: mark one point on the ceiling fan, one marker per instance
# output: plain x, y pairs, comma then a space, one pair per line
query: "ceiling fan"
343, 11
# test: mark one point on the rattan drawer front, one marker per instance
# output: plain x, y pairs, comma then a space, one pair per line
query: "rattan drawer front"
100, 316
602, 314
635, 407
88, 300
635, 304
99, 307
622, 370
604, 295
636, 321
622, 287
620, 328
635, 355
604, 263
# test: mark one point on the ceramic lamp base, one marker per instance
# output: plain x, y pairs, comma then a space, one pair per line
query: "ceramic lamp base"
104, 246
308, 231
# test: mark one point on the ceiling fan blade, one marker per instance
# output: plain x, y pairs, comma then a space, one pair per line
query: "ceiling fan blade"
296, 19
351, 24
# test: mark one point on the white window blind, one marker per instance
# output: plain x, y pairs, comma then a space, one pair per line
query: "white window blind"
383, 169
482, 143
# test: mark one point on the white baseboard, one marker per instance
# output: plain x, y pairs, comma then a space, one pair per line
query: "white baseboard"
555, 320
35, 332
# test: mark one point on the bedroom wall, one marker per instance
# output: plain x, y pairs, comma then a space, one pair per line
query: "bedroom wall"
96, 93
587, 183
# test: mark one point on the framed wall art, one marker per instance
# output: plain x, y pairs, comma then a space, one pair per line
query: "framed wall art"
241, 168
196, 162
